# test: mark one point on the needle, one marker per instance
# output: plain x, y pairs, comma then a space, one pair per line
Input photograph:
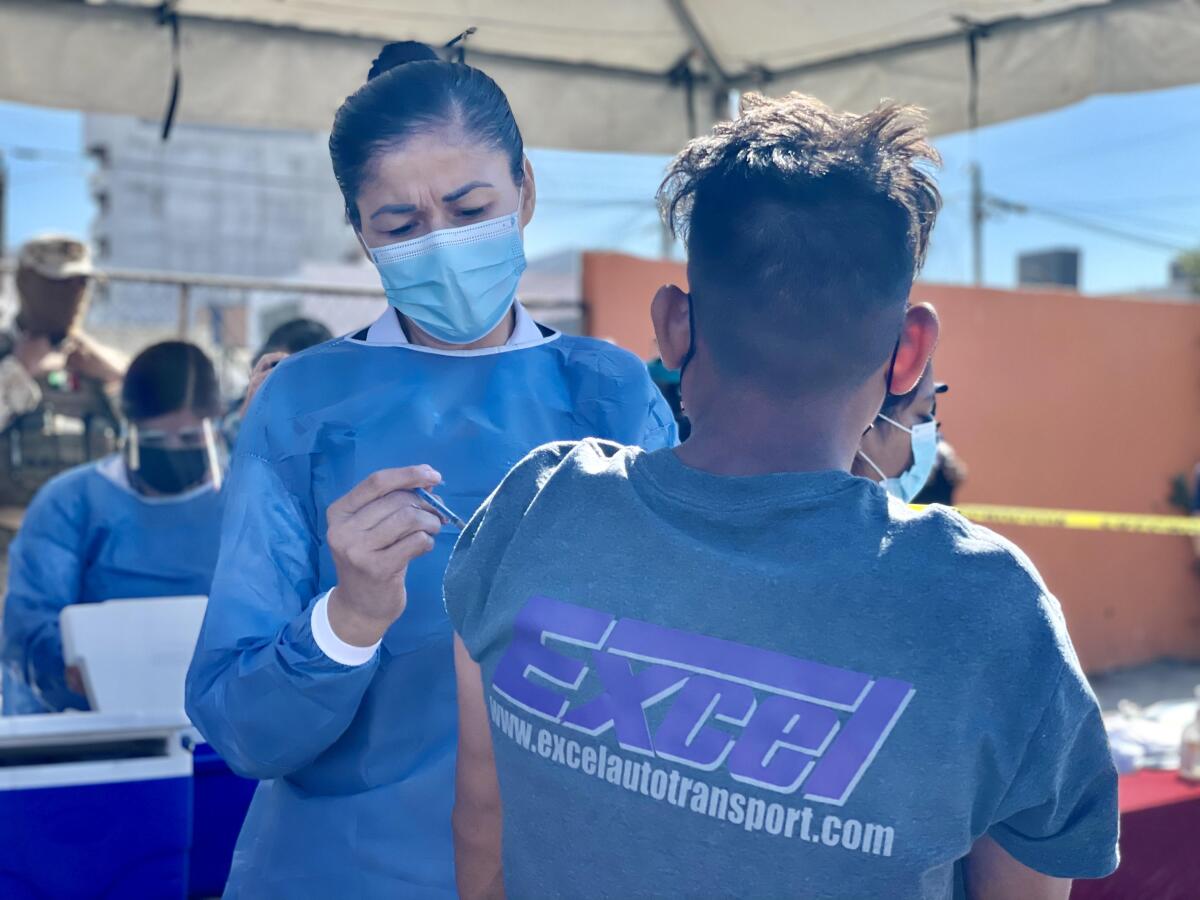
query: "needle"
441, 508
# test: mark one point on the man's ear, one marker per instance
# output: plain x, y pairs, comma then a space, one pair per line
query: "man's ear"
672, 324
528, 195
918, 339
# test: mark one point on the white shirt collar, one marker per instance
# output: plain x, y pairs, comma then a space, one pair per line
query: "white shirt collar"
386, 330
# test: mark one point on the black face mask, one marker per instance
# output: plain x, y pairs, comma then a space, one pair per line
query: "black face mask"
172, 471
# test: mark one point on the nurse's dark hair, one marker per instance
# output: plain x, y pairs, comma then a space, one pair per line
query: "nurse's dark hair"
293, 336
168, 377
410, 90
805, 228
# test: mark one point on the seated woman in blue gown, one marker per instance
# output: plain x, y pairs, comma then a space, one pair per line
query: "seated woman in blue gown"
143, 523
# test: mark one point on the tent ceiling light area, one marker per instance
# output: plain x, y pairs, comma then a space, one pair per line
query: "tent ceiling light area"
617, 75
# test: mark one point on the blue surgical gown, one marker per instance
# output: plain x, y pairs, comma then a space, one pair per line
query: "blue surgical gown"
357, 763
86, 537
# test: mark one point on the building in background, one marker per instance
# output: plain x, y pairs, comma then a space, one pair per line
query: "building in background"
224, 201
1180, 286
1058, 267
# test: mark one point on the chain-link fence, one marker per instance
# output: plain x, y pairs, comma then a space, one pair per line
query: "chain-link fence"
231, 316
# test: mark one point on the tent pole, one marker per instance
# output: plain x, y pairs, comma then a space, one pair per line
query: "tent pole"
723, 86
697, 39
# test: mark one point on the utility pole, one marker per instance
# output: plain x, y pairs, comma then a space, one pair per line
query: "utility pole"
977, 217
978, 213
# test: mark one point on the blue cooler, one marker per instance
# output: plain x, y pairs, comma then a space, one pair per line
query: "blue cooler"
219, 805
94, 805
108, 642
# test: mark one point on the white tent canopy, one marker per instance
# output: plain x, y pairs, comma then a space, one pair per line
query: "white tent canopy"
622, 75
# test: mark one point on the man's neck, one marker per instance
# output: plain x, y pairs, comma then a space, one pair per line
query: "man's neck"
744, 434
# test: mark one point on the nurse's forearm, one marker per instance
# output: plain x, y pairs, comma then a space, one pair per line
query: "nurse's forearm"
271, 709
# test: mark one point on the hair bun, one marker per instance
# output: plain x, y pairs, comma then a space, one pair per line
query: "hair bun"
398, 53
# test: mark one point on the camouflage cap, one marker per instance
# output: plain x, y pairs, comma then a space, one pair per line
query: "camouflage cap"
56, 257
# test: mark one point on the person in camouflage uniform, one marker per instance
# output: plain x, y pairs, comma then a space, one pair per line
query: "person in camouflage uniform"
56, 382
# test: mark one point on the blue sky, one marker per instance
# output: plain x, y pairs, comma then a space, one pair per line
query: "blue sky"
1125, 162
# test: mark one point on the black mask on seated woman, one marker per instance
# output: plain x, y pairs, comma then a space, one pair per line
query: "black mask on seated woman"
169, 470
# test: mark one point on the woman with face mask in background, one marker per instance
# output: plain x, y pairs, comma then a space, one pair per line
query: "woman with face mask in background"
900, 451
143, 523
325, 665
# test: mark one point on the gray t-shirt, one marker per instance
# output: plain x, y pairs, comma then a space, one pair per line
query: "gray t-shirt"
772, 686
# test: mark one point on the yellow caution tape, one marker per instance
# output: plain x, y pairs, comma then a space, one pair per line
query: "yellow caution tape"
1080, 519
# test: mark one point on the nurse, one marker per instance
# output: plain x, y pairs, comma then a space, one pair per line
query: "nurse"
141, 524
901, 450
325, 664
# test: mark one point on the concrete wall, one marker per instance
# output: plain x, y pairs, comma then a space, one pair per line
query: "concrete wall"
1056, 400
230, 201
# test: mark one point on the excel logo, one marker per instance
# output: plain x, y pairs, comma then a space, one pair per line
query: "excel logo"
789, 723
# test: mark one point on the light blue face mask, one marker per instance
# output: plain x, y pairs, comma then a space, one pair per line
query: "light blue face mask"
923, 438
458, 283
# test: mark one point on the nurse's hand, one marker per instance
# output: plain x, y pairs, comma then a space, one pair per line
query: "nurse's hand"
74, 679
258, 377
375, 531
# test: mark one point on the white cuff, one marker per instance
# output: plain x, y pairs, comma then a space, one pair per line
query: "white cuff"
332, 645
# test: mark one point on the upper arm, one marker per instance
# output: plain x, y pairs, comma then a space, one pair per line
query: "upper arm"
991, 873
45, 561
1056, 811
45, 576
267, 568
266, 571
478, 819
477, 782
260, 689
480, 551
1059, 813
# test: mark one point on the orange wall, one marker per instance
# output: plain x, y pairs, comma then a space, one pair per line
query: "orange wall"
1057, 400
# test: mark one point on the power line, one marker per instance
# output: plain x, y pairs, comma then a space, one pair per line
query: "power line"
1002, 205
1106, 149
1138, 202
38, 154
181, 171
1181, 230
1112, 204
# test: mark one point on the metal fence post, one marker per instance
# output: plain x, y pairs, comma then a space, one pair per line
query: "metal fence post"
185, 309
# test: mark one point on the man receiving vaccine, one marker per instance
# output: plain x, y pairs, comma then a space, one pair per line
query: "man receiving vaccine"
735, 669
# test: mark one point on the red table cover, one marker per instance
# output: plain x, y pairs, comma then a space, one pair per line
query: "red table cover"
1160, 841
